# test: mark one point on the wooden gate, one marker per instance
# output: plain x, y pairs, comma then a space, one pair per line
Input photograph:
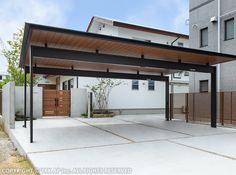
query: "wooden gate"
56, 103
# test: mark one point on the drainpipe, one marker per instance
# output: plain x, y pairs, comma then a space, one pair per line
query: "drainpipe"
219, 45
172, 84
175, 40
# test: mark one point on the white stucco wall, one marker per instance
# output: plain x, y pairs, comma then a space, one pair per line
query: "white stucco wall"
37, 101
181, 88
79, 101
132, 34
123, 97
108, 30
156, 38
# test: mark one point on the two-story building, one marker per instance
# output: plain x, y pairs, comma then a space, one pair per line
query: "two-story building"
212, 27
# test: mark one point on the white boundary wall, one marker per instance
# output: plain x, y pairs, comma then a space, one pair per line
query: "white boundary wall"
37, 101
79, 102
13, 102
8, 105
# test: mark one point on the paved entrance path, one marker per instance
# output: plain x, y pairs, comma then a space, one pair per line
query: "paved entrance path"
147, 144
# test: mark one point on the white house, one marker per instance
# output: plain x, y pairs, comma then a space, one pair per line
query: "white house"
131, 96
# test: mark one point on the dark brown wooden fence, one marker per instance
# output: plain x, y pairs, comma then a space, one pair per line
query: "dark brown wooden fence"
197, 107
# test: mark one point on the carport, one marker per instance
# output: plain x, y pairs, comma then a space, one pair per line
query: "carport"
58, 51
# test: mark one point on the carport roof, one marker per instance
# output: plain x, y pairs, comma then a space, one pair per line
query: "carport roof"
48, 42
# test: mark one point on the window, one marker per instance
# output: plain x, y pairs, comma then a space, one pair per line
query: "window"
229, 29
151, 85
65, 85
70, 84
186, 74
135, 84
204, 37
180, 44
177, 75
203, 86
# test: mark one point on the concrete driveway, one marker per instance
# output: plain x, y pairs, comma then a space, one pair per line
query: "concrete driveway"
140, 144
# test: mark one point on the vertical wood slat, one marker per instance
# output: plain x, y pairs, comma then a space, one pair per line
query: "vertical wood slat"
222, 108
233, 109
56, 102
196, 103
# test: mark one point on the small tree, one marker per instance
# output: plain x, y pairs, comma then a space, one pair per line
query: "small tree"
12, 54
102, 90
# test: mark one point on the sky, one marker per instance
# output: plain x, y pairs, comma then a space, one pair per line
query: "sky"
75, 14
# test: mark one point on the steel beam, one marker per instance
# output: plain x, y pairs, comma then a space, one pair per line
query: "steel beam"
213, 99
83, 73
167, 96
31, 94
25, 95
99, 58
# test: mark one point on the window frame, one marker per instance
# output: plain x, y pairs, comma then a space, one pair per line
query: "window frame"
65, 85
149, 85
70, 84
200, 89
135, 85
225, 28
186, 73
201, 37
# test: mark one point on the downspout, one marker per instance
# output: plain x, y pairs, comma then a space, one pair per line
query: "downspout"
172, 43
219, 45
172, 84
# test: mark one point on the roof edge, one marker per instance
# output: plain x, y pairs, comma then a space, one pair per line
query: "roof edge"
31, 26
127, 25
25, 43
